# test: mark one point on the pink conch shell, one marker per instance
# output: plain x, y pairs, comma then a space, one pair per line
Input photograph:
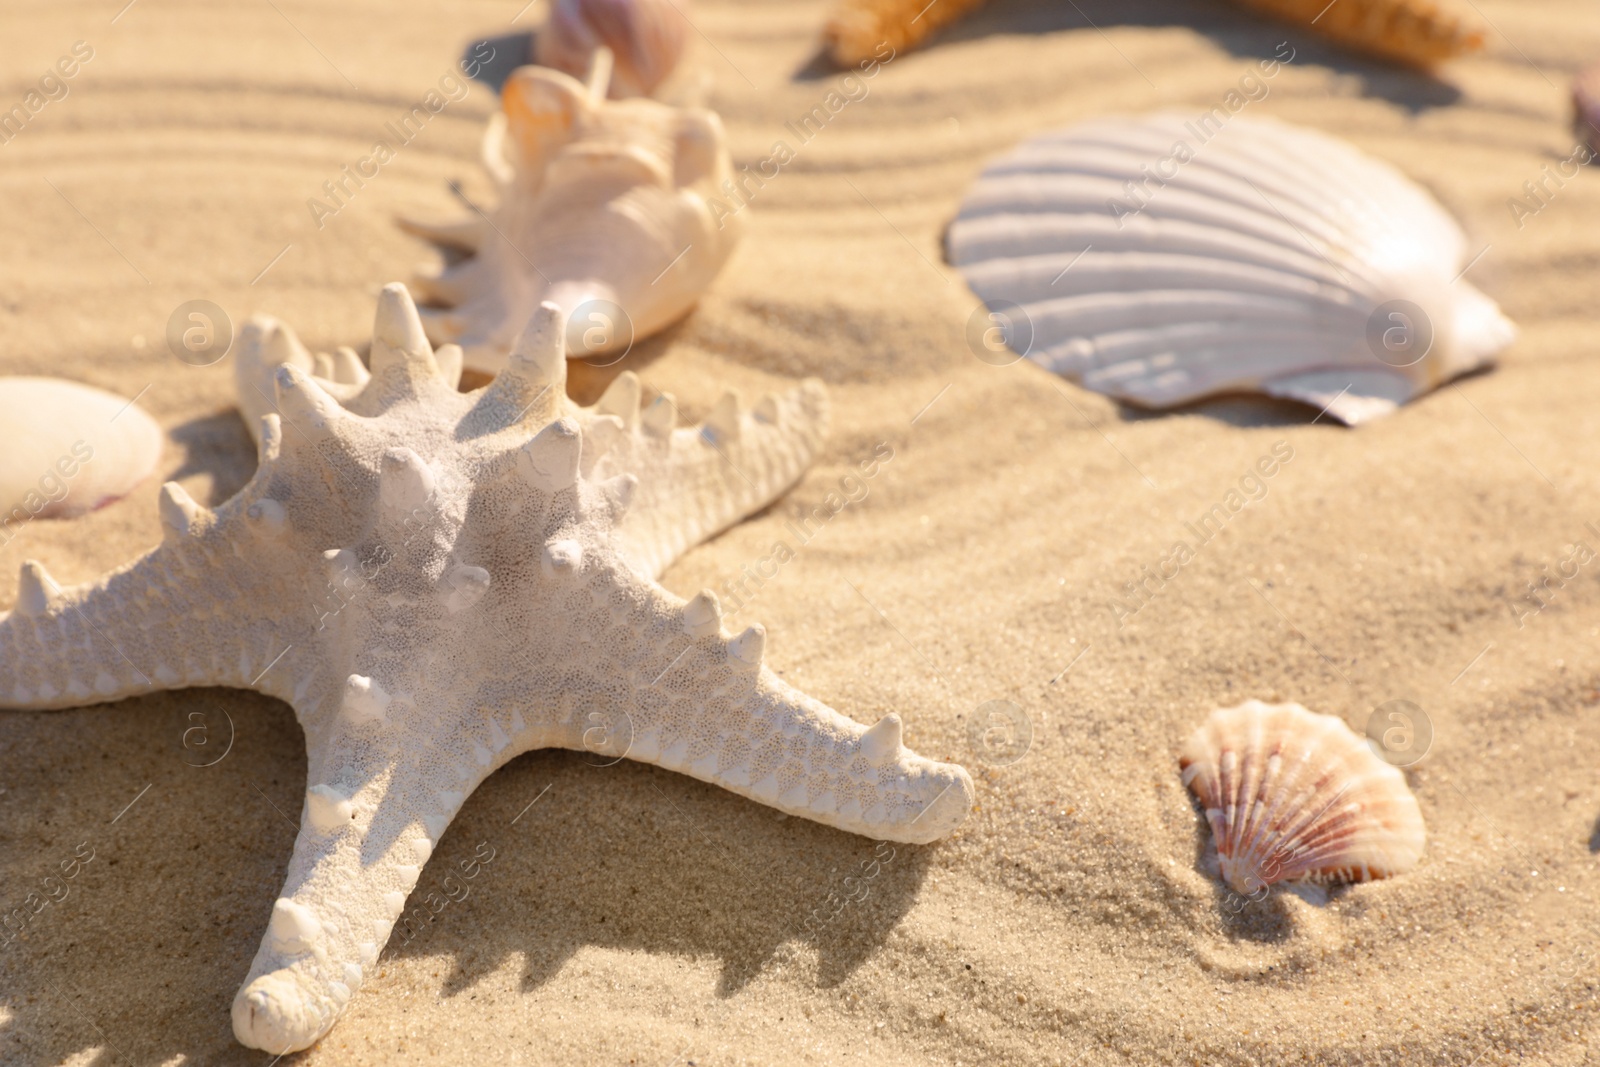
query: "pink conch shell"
645, 36
604, 205
1292, 795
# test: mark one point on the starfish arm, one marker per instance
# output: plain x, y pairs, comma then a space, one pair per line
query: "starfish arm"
192, 611
266, 344
697, 481
713, 712
373, 812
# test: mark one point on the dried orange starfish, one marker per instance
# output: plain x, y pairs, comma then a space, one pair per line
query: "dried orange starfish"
1417, 32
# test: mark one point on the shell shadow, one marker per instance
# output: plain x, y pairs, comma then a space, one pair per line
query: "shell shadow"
1262, 919
1256, 410
511, 50
1594, 836
673, 867
1245, 410
588, 378
1242, 33
219, 446
818, 66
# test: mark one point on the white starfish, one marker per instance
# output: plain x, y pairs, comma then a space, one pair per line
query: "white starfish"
436, 588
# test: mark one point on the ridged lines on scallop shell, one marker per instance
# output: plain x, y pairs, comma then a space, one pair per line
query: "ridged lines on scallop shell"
1292, 795
1256, 265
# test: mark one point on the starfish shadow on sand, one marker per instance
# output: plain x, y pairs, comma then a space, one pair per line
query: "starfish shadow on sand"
667, 867
142, 958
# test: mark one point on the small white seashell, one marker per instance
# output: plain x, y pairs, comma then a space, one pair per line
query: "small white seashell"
1293, 795
1162, 259
610, 210
646, 37
66, 449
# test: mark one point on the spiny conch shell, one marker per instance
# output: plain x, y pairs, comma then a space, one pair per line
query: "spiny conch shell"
603, 205
66, 449
1417, 32
1165, 258
859, 31
1291, 795
646, 39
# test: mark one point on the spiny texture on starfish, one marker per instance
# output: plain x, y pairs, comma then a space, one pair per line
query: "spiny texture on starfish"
438, 582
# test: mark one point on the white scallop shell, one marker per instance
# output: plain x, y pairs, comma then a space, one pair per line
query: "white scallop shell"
600, 201
1164, 258
66, 449
1291, 795
645, 36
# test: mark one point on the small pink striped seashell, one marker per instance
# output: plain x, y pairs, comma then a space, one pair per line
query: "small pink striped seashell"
1292, 795
646, 37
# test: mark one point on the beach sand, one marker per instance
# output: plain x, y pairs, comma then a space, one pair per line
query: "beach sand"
636, 916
